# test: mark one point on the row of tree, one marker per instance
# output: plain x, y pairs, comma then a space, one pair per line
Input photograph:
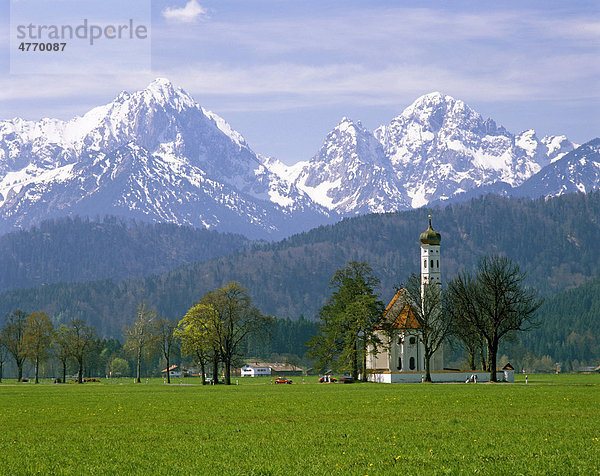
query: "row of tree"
477, 309
213, 331
216, 329
34, 337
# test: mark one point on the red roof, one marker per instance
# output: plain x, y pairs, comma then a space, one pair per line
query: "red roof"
400, 313
172, 367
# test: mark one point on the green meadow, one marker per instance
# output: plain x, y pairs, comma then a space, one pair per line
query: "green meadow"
549, 426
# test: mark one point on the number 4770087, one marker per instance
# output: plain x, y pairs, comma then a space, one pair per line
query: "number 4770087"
42, 46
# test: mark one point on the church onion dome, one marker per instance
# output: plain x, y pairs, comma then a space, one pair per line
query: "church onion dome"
430, 236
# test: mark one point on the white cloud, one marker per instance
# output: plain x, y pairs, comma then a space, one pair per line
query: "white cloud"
188, 14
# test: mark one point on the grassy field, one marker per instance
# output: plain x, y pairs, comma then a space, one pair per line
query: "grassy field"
550, 426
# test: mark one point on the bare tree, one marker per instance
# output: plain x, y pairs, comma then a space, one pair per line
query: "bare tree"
495, 302
80, 340
139, 335
37, 339
12, 336
427, 301
466, 333
63, 351
165, 340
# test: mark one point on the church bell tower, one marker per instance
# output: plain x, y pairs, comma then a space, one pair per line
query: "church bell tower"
431, 276
430, 256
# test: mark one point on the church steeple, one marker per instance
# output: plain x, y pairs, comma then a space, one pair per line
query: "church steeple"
430, 256
430, 236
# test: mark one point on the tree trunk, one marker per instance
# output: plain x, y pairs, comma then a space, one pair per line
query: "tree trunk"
168, 371
1, 370
139, 367
355, 363
228, 371
484, 366
19, 371
80, 372
471, 359
215, 376
64, 380
492, 351
202, 371
427, 368
37, 366
364, 364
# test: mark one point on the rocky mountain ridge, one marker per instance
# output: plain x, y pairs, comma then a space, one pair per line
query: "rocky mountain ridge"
157, 155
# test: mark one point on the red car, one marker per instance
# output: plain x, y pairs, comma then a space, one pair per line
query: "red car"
282, 380
331, 379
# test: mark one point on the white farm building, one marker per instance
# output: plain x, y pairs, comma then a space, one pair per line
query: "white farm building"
255, 370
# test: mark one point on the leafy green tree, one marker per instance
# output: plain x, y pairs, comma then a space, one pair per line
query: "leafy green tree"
495, 302
37, 339
196, 340
427, 302
165, 340
347, 320
232, 318
118, 367
12, 336
139, 335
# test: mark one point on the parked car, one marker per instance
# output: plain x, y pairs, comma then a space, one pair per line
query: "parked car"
324, 379
282, 380
346, 379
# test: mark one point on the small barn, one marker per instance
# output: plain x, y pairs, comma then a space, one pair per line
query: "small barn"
285, 369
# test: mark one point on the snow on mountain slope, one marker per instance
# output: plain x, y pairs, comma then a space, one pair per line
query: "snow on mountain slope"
577, 171
351, 174
440, 147
176, 137
157, 155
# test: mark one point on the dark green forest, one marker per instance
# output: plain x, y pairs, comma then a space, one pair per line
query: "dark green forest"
569, 327
553, 240
80, 249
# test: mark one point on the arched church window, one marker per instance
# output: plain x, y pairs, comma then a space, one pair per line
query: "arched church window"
399, 363
411, 363
437, 263
425, 263
432, 263
412, 340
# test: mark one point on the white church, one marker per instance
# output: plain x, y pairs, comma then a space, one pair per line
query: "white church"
400, 358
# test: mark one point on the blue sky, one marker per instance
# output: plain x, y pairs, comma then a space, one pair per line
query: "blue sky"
284, 72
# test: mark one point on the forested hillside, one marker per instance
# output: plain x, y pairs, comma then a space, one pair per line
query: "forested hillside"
569, 328
554, 240
74, 250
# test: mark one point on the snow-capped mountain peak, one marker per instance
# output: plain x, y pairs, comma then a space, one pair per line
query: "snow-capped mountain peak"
350, 173
165, 93
156, 154
152, 153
